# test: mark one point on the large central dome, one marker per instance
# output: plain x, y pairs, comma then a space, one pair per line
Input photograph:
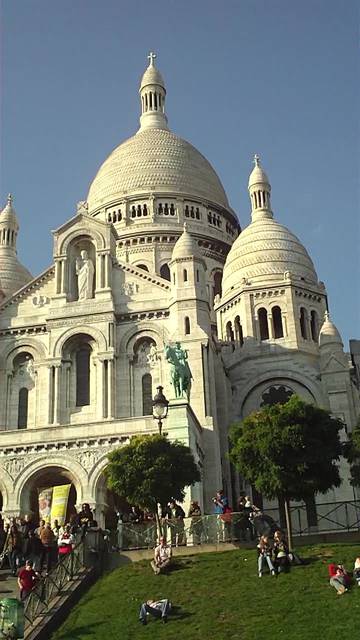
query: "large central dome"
155, 160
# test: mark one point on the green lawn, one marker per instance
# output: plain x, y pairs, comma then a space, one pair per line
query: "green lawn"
220, 597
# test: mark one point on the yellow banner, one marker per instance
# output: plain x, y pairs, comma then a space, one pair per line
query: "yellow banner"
45, 504
59, 503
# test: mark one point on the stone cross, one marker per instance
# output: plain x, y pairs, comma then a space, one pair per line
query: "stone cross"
151, 58
256, 160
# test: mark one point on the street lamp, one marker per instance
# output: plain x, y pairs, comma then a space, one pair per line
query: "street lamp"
160, 407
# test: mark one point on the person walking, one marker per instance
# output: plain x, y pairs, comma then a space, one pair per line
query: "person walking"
26, 579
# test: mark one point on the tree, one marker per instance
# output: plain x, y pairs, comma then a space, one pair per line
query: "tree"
151, 470
352, 454
288, 451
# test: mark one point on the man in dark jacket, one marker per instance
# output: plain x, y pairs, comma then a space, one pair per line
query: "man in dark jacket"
175, 516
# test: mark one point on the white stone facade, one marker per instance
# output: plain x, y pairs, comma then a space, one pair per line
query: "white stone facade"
78, 370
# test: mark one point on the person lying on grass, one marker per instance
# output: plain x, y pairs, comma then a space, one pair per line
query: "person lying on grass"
339, 578
162, 556
156, 608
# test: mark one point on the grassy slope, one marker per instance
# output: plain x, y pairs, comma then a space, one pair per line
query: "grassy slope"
220, 596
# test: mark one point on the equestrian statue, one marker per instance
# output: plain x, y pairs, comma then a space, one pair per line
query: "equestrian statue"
180, 372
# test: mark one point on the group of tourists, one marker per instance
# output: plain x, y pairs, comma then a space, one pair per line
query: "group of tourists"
32, 549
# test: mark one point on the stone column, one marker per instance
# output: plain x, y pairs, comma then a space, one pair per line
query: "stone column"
57, 393
110, 388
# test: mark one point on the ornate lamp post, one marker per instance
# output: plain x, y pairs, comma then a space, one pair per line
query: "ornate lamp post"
160, 407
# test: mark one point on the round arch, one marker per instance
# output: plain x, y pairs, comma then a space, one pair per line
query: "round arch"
93, 332
82, 232
281, 377
146, 330
34, 347
23, 482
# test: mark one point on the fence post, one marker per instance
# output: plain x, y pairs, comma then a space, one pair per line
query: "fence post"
347, 516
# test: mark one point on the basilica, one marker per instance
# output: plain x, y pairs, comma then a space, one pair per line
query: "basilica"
155, 256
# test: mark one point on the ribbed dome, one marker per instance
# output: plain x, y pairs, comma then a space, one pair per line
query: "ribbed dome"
265, 250
155, 159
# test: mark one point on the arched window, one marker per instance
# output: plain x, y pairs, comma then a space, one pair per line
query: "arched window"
165, 271
263, 324
23, 408
238, 331
229, 332
217, 283
185, 275
314, 323
142, 266
187, 325
277, 322
303, 323
82, 359
147, 394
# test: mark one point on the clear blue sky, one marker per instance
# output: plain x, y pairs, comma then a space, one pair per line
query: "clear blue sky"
276, 77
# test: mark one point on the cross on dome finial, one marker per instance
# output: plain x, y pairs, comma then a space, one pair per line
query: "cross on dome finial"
151, 58
10, 199
257, 160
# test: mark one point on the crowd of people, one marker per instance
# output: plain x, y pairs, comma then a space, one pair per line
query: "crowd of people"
31, 550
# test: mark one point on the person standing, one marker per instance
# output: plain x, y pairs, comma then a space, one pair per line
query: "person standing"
26, 527
48, 542
15, 548
196, 527
26, 579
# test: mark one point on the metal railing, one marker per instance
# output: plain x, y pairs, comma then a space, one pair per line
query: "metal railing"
332, 517
41, 598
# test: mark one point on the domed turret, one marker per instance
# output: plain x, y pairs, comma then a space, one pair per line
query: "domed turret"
329, 335
265, 250
152, 92
13, 274
186, 246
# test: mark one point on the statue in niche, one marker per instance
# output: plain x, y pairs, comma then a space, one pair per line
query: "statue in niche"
152, 356
85, 274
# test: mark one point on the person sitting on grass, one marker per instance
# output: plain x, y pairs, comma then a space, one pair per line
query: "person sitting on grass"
356, 572
156, 608
162, 556
280, 552
264, 553
339, 578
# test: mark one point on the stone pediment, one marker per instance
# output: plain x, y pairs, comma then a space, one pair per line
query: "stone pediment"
37, 292
333, 364
102, 233
138, 281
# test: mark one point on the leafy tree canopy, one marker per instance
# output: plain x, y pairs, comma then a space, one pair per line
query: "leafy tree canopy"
352, 453
151, 469
288, 450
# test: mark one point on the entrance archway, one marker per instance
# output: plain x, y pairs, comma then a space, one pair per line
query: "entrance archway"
44, 478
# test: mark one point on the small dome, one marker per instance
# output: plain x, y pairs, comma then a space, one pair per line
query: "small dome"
155, 159
152, 75
8, 214
329, 334
265, 250
186, 246
258, 175
13, 274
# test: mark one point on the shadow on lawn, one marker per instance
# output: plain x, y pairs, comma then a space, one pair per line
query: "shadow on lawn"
78, 634
177, 613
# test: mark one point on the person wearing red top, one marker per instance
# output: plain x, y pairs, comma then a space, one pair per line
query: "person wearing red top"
26, 579
339, 579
